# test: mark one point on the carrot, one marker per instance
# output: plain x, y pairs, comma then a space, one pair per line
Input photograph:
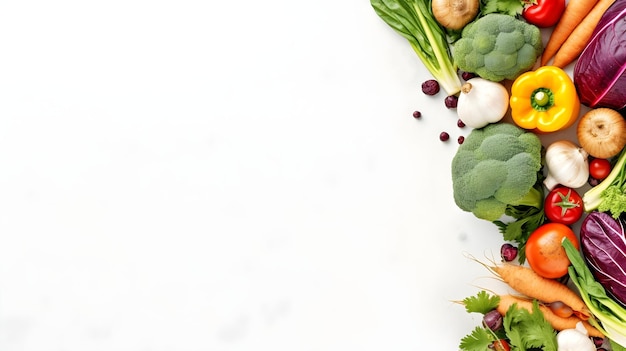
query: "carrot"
574, 13
525, 281
574, 45
558, 323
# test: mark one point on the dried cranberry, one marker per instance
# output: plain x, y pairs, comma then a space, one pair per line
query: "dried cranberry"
417, 114
460, 139
460, 124
467, 75
430, 87
451, 101
444, 136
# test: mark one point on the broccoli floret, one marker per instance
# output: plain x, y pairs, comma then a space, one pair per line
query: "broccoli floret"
610, 194
495, 162
497, 172
498, 47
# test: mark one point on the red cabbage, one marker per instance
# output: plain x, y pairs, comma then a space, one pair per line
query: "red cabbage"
599, 74
603, 245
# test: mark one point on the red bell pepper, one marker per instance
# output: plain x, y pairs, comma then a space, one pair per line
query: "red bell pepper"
543, 13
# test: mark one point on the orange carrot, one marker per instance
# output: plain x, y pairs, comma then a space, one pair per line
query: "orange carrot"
578, 39
525, 281
574, 13
558, 323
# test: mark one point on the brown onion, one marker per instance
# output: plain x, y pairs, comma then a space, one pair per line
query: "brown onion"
455, 14
602, 132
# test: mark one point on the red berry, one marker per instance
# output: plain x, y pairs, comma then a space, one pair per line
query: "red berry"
460, 123
451, 101
467, 75
430, 87
460, 139
444, 136
417, 114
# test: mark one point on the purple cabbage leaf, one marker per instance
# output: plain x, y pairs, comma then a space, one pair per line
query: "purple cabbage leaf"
599, 73
603, 245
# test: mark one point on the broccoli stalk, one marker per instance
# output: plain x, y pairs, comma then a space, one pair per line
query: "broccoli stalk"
534, 198
528, 214
610, 194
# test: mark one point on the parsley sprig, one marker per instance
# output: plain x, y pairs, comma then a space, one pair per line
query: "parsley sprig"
523, 329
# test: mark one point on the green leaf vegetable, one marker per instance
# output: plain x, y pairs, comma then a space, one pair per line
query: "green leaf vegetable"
610, 194
507, 7
482, 303
497, 172
522, 328
528, 330
498, 47
413, 19
610, 314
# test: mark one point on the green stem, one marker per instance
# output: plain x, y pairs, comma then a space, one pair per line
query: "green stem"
533, 198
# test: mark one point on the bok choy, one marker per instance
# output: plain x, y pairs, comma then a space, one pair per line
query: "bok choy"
414, 20
610, 314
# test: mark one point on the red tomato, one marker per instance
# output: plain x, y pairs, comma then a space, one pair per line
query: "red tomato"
563, 205
599, 168
543, 13
501, 345
544, 252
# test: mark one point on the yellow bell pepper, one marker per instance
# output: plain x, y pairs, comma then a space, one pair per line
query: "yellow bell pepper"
544, 100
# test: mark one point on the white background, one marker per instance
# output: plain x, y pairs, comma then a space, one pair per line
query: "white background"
245, 175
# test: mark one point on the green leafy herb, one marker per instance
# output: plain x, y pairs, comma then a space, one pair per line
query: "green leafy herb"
527, 219
482, 302
413, 19
523, 329
507, 7
478, 340
527, 329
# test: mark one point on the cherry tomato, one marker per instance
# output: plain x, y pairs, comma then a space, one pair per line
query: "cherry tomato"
599, 168
563, 205
500, 345
543, 13
544, 252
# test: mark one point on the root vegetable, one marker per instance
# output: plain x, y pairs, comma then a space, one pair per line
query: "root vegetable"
482, 102
575, 339
567, 165
602, 132
455, 14
527, 282
558, 323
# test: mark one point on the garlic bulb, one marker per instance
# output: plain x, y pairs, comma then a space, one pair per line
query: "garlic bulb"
575, 339
567, 164
481, 102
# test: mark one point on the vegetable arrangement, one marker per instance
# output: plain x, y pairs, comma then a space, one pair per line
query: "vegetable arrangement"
569, 283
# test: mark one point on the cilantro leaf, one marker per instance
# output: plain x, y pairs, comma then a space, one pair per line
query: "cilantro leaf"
529, 330
478, 340
482, 302
508, 7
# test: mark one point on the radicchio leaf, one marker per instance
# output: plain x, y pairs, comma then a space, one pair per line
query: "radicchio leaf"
599, 74
603, 245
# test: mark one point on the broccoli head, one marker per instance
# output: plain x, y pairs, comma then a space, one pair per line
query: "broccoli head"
495, 168
498, 47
